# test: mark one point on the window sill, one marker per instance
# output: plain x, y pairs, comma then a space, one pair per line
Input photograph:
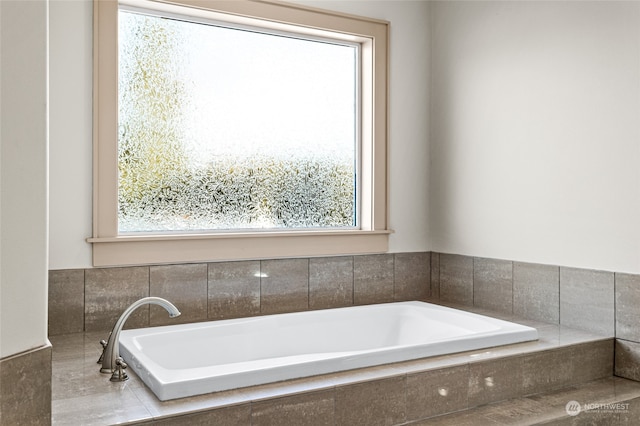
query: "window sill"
156, 249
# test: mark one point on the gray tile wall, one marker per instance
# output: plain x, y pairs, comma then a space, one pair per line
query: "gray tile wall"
92, 299
373, 279
602, 302
25, 388
578, 298
246, 288
234, 289
331, 282
66, 301
456, 278
536, 292
186, 286
493, 284
587, 300
108, 291
284, 286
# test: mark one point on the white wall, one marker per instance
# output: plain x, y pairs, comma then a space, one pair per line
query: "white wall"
535, 137
23, 176
535, 129
71, 131
408, 113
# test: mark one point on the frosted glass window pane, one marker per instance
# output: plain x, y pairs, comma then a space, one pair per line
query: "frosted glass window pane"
224, 128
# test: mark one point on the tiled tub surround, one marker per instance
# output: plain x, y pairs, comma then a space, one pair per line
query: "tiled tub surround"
602, 302
92, 299
391, 394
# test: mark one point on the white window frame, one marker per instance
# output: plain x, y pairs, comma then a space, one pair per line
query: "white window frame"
113, 249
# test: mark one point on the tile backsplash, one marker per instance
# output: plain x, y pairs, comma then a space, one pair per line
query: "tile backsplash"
598, 301
578, 298
602, 302
536, 291
92, 299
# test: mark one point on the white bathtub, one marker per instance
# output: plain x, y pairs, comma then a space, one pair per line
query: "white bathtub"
191, 359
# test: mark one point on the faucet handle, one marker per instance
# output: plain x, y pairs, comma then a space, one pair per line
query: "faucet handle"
104, 347
119, 375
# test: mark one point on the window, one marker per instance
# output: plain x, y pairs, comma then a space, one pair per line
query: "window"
232, 130
226, 128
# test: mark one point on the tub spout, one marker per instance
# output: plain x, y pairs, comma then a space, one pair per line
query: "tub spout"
110, 359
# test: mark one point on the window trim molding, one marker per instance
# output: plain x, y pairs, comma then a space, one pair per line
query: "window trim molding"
112, 249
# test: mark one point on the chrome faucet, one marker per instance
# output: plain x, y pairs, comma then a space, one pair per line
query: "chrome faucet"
110, 358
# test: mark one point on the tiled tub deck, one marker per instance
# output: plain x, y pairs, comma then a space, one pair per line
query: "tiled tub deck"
390, 394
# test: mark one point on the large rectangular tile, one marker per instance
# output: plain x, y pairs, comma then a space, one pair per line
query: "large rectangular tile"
66, 301
412, 276
627, 307
183, 285
587, 300
109, 291
69, 346
74, 378
592, 361
547, 370
195, 404
437, 392
456, 279
330, 282
630, 414
372, 279
121, 407
594, 398
435, 276
567, 366
463, 418
536, 292
493, 284
503, 413
234, 289
627, 362
551, 408
495, 380
284, 285
25, 388
378, 403
238, 415
307, 409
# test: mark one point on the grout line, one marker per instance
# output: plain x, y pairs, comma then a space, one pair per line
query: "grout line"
512, 290
353, 280
207, 305
148, 294
559, 294
308, 284
615, 310
473, 281
260, 278
393, 278
84, 300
